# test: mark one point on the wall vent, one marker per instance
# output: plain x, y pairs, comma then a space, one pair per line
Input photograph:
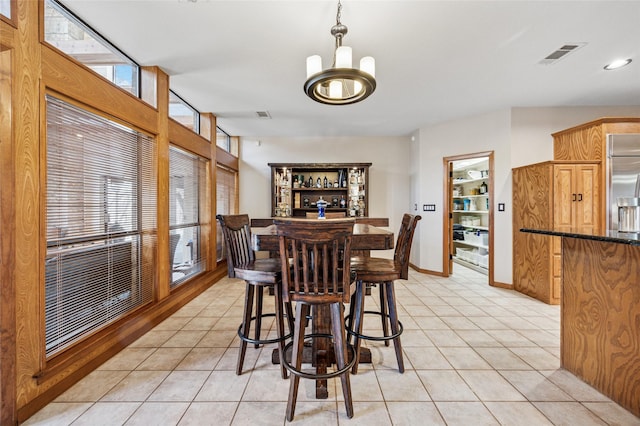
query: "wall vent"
561, 52
263, 114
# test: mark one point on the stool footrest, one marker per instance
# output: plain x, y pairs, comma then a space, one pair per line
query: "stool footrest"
261, 341
376, 338
314, 376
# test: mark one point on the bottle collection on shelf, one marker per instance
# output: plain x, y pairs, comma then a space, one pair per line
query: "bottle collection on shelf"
354, 183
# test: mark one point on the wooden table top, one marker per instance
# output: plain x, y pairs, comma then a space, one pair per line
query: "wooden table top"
365, 237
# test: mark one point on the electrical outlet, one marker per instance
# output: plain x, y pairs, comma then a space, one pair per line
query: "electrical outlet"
500, 207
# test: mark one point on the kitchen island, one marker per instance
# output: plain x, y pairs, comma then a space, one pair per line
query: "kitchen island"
600, 312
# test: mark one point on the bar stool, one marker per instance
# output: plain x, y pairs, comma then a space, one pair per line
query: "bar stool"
372, 271
315, 263
258, 274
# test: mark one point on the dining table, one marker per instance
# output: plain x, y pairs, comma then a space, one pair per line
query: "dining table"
319, 353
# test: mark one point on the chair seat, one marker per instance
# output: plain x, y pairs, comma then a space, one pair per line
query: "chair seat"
375, 269
266, 271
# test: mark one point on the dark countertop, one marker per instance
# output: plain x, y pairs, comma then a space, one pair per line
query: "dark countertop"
609, 236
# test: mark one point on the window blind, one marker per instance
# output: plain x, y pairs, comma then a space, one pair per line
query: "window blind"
225, 202
186, 183
100, 222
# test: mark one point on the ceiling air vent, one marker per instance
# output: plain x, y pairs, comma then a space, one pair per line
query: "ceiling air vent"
263, 114
561, 52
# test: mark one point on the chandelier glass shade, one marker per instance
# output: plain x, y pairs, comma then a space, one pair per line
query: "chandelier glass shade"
342, 84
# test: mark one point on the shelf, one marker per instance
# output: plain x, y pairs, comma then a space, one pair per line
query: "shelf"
320, 189
470, 265
471, 244
482, 228
471, 211
315, 209
463, 181
471, 196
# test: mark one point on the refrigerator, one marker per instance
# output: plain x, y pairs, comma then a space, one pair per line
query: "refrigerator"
623, 168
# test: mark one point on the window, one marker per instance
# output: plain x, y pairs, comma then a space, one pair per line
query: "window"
186, 183
223, 140
100, 222
183, 113
226, 201
5, 8
68, 33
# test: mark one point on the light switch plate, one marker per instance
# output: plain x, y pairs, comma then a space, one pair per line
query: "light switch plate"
428, 207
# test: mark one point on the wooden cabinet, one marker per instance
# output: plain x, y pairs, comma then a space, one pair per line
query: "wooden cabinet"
555, 195
296, 189
588, 142
576, 197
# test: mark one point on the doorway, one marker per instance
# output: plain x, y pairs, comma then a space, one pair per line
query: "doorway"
468, 214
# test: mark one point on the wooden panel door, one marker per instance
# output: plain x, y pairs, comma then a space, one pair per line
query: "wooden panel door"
564, 197
587, 206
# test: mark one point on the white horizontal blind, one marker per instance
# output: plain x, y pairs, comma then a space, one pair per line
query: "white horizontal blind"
186, 186
225, 202
100, 212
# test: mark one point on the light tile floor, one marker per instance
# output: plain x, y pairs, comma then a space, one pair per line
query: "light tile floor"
474, 355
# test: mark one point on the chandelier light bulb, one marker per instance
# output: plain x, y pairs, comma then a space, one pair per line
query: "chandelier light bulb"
314, 65
343, 57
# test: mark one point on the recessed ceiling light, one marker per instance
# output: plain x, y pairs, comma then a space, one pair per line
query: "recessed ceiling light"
618, 63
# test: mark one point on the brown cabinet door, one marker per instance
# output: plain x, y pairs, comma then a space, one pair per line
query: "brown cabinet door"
576, 197
587, 204
564, 197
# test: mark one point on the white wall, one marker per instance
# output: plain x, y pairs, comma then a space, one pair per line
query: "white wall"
518, 136
531, 128
389, 182
409, 171
487, 132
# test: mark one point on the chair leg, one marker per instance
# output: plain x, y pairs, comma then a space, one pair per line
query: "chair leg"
340, 348
290, 317
246, 325
393, 317
296, 357
280, 329
259, 299
358, 313
383, 311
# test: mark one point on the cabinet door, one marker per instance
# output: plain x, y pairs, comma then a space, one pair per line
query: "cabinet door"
576, 197
563, 197
586, 207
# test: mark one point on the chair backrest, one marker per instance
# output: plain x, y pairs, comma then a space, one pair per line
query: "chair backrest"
315, 259
403, 245
237, 238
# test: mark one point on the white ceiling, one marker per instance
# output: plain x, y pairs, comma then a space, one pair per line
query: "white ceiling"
435, 60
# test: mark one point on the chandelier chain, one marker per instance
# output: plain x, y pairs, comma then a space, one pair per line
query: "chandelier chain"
338, 15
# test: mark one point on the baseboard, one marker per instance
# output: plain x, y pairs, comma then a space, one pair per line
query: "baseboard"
426, 271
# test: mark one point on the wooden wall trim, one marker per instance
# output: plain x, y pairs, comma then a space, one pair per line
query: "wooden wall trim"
226, 159
115, 338
427, 271
183, 137
62, 74
7, 242
28, 234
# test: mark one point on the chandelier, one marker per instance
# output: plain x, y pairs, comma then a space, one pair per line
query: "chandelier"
341, 84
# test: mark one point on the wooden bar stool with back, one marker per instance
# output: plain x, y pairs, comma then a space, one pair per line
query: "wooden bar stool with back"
383, 272
258, 274
315, 264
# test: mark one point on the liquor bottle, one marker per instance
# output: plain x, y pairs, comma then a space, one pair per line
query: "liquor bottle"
352, 208
360, 207
334, 201
343, 202
310, 183
483, 188
325, 182
335, 183
318, 183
